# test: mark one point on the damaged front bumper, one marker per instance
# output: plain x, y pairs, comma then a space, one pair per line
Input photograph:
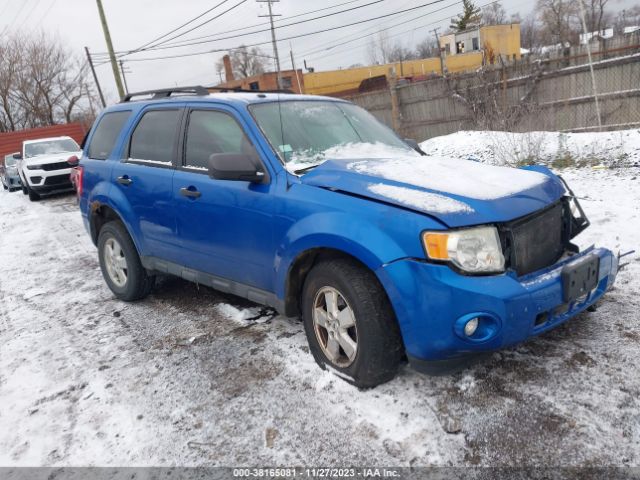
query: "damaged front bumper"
433, 303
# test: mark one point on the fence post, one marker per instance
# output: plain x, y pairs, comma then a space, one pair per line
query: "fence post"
396, 114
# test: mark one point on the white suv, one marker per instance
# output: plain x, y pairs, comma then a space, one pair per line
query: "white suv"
43, 165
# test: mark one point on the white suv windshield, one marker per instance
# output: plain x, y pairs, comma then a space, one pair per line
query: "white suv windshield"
307, 133
50, 147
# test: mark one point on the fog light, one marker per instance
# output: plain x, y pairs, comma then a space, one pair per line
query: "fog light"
471, 327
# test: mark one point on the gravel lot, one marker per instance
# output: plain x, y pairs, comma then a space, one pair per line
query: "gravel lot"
192, 377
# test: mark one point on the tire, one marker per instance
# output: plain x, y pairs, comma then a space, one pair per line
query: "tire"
33, 196
378, 345
4, 185
24, 190
115, 240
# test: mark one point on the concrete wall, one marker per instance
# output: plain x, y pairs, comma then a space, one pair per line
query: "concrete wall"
549, 98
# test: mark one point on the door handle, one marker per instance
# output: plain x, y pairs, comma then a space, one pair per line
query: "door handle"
124, 180
190, 193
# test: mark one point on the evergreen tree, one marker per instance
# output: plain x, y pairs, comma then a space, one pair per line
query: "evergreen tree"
470, 15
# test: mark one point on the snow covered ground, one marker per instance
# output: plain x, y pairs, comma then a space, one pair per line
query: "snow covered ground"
194, 377
617, 149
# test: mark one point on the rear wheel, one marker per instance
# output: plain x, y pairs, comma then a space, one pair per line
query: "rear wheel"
349, 322
120, 263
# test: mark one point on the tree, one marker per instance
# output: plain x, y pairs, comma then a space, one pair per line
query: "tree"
379, 48
494, 14
559, 21
427, 48
41, 83
246, 62
596, 15
628, 17
530, 35
400, 53
469, 17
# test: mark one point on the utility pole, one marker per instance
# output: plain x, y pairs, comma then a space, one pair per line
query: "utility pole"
593, 76
124, 77
112, 55
435, 32
95, 77
273, 38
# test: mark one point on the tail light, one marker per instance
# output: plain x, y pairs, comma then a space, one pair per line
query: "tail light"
78, 180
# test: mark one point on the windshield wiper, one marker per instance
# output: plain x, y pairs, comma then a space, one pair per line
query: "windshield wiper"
306, 169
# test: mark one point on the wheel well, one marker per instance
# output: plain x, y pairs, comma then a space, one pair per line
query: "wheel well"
299, 270
101, 215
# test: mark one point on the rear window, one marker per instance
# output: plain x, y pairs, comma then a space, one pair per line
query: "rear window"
154, 138
106, 134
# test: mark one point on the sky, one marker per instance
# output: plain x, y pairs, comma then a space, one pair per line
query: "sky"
134, 23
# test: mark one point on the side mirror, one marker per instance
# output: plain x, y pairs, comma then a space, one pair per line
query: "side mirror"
236, 166
73, 160
413, 144
17, 156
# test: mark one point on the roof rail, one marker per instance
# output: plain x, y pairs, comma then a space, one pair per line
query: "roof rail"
243, 90
198, 90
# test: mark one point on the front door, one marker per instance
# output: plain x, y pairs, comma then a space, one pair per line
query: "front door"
225, 226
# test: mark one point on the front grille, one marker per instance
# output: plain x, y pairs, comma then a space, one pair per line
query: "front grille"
538, 240
48, 167
57, 180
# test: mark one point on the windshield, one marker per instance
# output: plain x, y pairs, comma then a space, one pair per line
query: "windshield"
9, 161
50, 147
306, 133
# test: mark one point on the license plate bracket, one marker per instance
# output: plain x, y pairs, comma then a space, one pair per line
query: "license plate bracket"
580, 277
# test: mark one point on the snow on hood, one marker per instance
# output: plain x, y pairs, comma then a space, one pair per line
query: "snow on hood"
459, 177
457, 192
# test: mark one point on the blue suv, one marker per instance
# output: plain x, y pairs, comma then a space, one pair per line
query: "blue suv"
311, 206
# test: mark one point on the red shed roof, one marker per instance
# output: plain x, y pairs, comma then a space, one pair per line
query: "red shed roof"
11, 142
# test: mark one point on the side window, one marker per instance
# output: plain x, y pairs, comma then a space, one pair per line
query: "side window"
212, 132
106, 134
154, 138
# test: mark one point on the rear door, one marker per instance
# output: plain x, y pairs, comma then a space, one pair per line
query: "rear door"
144, 176
226, 227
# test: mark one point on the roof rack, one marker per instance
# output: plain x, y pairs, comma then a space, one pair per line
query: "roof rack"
198, 90
243, 90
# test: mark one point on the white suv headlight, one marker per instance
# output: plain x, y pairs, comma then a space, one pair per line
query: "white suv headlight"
474, 250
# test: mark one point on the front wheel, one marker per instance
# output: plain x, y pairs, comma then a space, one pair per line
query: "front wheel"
120, 264
33, 196
350, 325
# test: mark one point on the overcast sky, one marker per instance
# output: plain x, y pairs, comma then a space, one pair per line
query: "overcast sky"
136, 22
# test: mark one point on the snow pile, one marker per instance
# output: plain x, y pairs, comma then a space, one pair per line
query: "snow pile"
425, 201
615, 149
458, 177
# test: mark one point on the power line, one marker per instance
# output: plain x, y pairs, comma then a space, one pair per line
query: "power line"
8, 26
214, 35
324, 49
46, 12
26, 18
187, 43
399, 12
191, 29
180, 27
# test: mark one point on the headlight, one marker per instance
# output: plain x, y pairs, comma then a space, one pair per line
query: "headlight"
474, 250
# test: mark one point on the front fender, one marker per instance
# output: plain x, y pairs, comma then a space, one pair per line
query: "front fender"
361, 239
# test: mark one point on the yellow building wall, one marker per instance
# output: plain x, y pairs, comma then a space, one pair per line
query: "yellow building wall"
502, 39
463, 62
325, 83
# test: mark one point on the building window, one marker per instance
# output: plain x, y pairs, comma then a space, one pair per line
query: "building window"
287, 83
254, 86
476, 44
460, 47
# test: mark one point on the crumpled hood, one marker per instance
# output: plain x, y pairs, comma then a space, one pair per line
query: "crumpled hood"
457, 192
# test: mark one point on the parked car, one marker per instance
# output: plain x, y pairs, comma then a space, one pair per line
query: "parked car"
9, 174
43, 166
313, 207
